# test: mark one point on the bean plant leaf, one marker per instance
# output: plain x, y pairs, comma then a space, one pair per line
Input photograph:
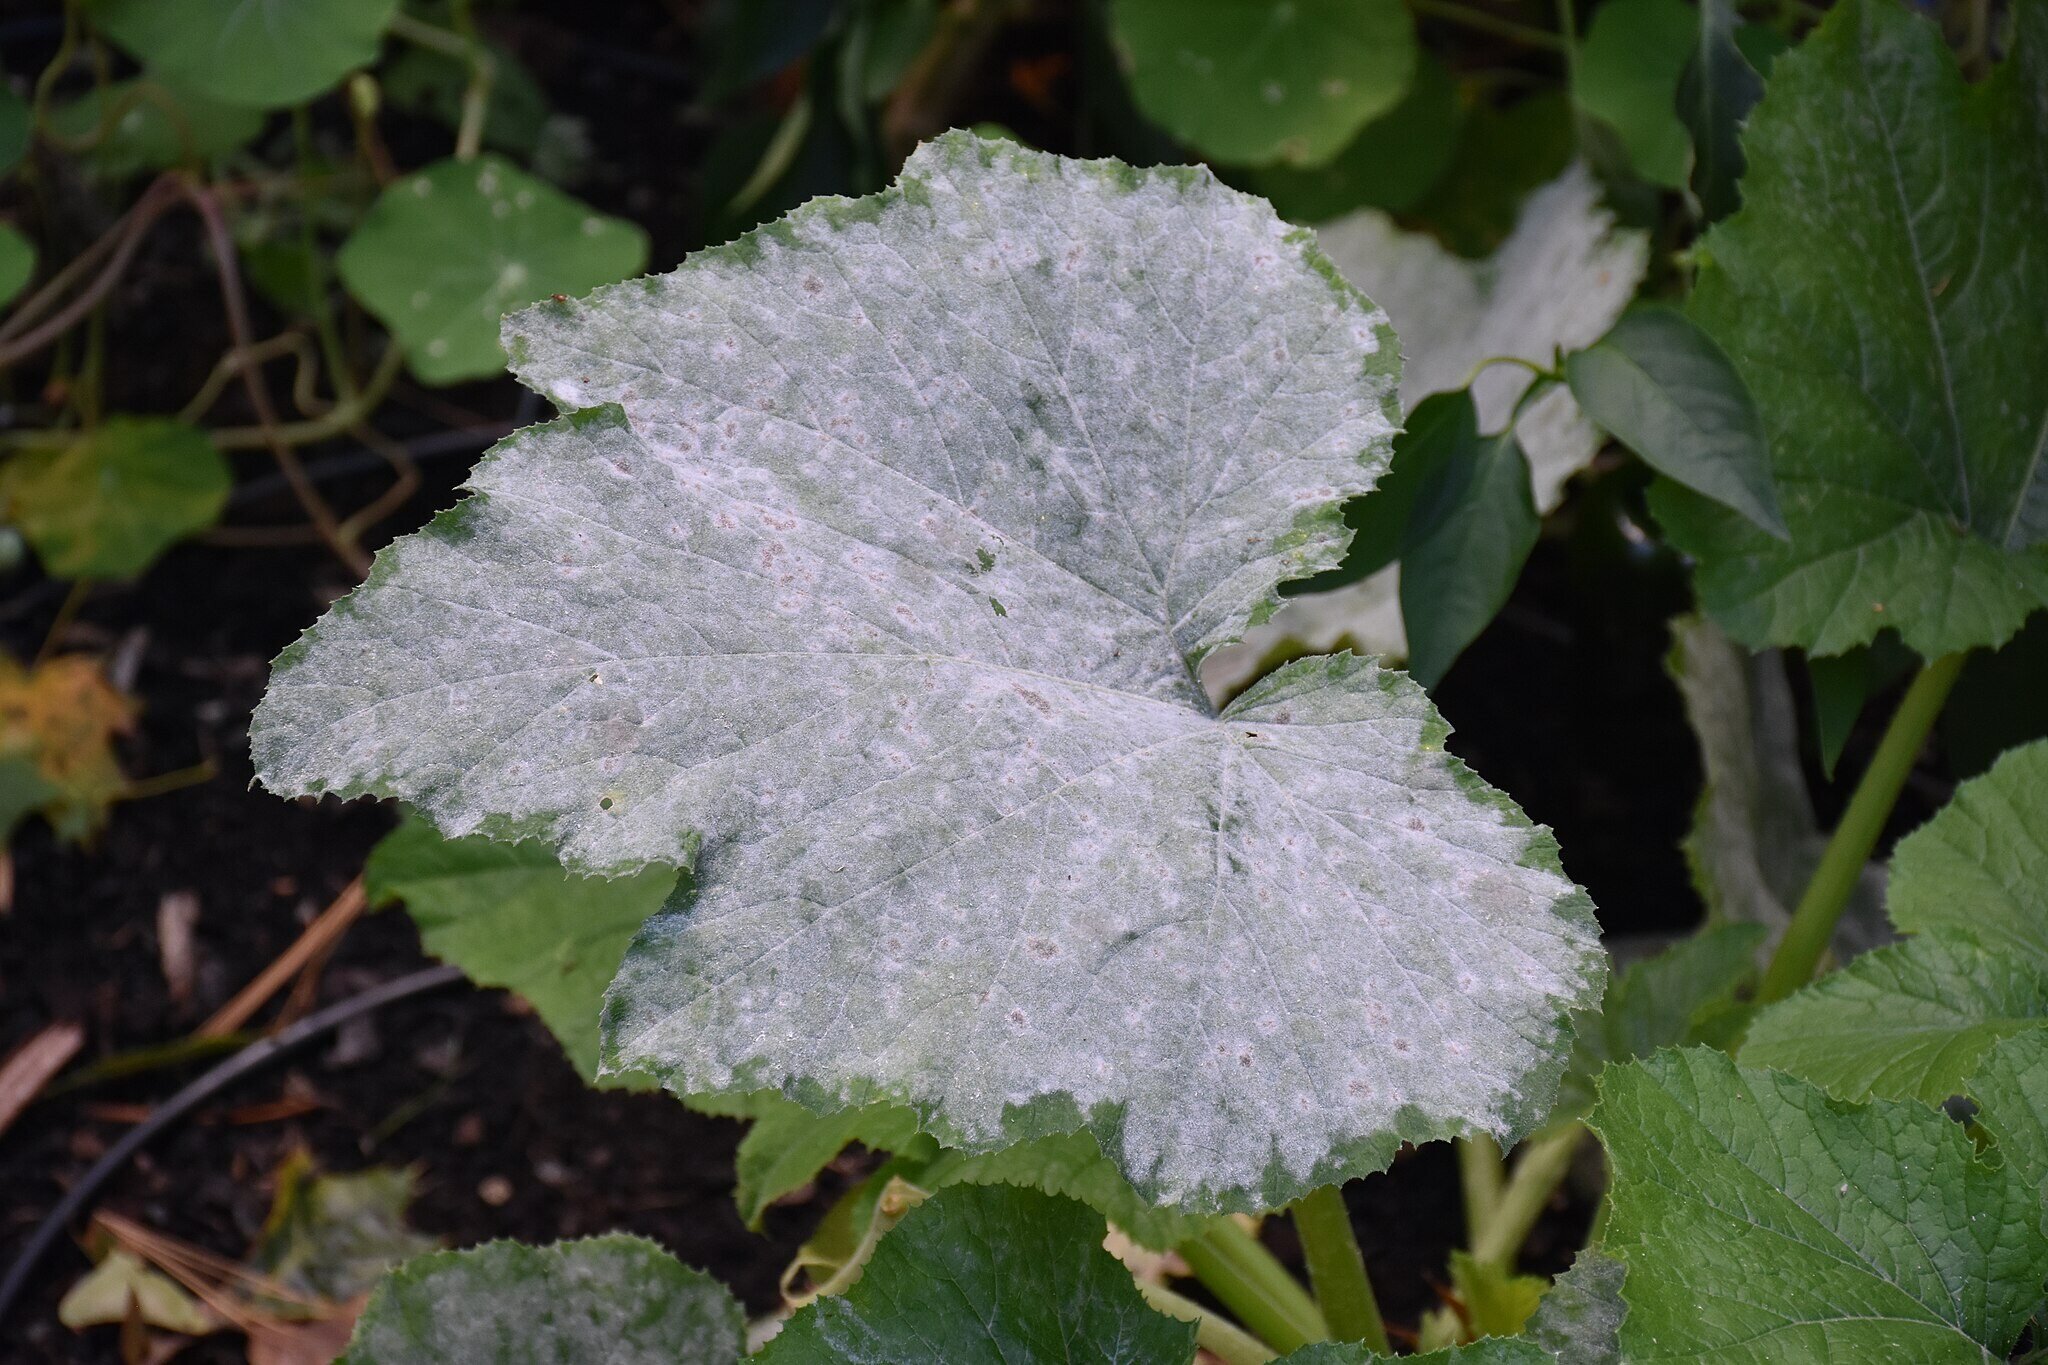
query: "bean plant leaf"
1255, 84
444, 254
1627, 73
150, 127
1883, 313
106, 504
1761, 1220
1979, 866
1580, 1318
1914, 1021
1668, 392
264, 53
884, 571
510, 915
1715, 94
618, 1299
996, 1275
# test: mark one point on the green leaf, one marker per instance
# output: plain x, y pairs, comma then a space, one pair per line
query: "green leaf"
998, 1275
443, 255
752, 599
334, 1236
1580, 1318
788, 1145
17, 262
17, 128
1665, 390
1681, 996
262, 53
1071, 1165
1628, 72
1906, 1022
1843, 683
2011, 1091
1255, 84
106, 505
1715, 94
1390, 164
510, 915
1869, 292
1504, 154
1980, 867
1492, 1300
1761, 1220
432, 83
1470, 530
152, 127
621, 1300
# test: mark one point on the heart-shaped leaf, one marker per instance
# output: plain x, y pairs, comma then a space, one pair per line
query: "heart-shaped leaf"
884, 573
109, 502
1884, 312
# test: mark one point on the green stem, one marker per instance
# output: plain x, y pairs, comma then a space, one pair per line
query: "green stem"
1219, 1336
1253, 1284
1482, 22
1481, 1175
1537, 1174
1849, 848
340, 418
1336, 1268
1568, 37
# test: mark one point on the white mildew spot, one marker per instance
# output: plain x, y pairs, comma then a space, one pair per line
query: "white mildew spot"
1005, 865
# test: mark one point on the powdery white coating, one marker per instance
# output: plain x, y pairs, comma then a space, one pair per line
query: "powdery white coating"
617, 1299
1559, 280
885, 578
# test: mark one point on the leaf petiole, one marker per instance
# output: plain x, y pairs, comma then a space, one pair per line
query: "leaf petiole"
1252, 1283
1337, 1269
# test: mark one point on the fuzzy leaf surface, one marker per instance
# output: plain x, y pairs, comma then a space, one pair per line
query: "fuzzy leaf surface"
617, 1299
993, 1276
1885, 312
883, 571
1761, 1220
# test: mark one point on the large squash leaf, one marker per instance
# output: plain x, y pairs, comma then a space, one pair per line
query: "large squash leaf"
1884, 308
884, 571
617, 1299
996, 1275
1761, 1220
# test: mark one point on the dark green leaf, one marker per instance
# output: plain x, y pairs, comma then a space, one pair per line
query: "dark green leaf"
1761, 1220
1665, 390
262, 53
619, 1300
997, 1275
107, 504
1870, 293
1980, 866
510, 915
17, 262
150, 127
1472, 525
1628, 72
1259, 83
1504, 152
432, 83
2011, 1090
17, 127
1715, 94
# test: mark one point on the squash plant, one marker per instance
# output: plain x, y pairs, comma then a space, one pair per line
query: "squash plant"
854, 609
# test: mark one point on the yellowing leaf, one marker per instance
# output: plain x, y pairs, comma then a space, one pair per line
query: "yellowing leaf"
60, 717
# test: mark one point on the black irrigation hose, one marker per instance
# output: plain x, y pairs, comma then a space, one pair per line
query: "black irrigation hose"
251, 1058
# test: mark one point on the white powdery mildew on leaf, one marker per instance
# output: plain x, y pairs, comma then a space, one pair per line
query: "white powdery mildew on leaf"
884, 575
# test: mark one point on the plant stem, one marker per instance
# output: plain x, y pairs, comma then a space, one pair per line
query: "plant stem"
1218, 1336
1849, 847
1254, 1285
1539, 1169
1481, 1174
1337, 1269
1482, 22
